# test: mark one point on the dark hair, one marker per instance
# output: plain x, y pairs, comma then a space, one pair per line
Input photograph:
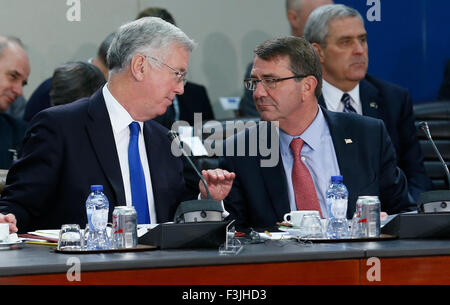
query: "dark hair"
103, 49
302, 56
74, 80
157, 12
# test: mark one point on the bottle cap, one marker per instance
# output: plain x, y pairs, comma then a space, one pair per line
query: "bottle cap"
98, 188
337, 179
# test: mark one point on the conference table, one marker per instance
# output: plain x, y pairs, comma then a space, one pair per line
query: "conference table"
272, 262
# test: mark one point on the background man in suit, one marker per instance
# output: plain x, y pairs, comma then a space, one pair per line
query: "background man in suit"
109, 139
338, 34
315, 144
40, 99
297, 13
14, 71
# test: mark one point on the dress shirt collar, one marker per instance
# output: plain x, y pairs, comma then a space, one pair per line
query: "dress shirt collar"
333, 95
120, 118
311, 136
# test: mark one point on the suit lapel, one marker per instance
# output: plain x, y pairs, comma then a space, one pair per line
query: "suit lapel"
100, 132
346, 149
276, 187
369, 99
321, 101
156, 165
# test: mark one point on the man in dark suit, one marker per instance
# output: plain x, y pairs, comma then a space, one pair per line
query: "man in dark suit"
14, 71
109, 139
315, 144
338, 34
40, 99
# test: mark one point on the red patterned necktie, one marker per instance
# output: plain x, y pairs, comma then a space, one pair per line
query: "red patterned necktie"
304, 190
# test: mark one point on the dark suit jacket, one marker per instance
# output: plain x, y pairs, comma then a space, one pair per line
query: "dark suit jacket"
68, 148
12, 131
259, 196
39, 100
393, 105
194, 100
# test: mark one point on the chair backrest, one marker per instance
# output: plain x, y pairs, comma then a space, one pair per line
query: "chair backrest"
437, 115
3, 174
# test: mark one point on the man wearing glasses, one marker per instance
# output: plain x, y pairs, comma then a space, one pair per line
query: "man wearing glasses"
315, 144
109, 139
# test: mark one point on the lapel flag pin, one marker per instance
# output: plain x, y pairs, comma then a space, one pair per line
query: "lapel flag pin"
348, 141
373, 105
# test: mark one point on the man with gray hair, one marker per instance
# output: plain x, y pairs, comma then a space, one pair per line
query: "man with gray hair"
110, 139
338, 34
315, 144
14, 71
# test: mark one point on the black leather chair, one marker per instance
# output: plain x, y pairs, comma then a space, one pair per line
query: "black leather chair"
437, 115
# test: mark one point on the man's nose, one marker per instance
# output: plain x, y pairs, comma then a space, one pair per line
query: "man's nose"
179, 89
17, 89
260, 91
359, 47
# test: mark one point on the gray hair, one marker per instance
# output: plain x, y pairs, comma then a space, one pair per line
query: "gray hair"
302, 56
148, 35
316, 28
6, 40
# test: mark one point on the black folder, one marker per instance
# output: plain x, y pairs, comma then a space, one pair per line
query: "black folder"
186, 235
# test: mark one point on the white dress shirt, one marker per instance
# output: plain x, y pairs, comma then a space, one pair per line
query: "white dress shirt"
120, 121
333, 95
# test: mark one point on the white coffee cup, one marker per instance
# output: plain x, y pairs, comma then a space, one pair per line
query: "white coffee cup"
4, 231
295, 217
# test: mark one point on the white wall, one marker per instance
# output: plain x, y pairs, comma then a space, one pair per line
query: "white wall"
226, 32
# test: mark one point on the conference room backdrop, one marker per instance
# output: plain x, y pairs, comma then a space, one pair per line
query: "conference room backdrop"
408, 39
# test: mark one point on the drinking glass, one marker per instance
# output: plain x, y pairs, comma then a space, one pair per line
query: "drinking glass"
70, 237
311, 226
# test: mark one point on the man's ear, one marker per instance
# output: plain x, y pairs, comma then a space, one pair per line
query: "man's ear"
310, 84
319, 51
138, 66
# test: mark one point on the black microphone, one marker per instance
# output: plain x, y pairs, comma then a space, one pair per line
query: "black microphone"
426, 130
439, 200
195, 210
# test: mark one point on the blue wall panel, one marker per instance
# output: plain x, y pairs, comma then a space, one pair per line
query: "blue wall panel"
411, 43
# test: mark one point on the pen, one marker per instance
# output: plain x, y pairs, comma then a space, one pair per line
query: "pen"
41, 243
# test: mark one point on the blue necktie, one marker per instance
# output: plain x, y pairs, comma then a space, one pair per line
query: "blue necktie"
137, 179
347, 106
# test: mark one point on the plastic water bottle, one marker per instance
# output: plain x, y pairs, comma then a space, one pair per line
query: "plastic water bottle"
97, 207
337, 197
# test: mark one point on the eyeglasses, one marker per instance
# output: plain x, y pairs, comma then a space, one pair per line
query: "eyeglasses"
271, 83
180, 76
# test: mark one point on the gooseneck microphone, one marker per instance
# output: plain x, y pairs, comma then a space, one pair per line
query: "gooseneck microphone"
437, 201
426, 130
173, 137
195, 210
